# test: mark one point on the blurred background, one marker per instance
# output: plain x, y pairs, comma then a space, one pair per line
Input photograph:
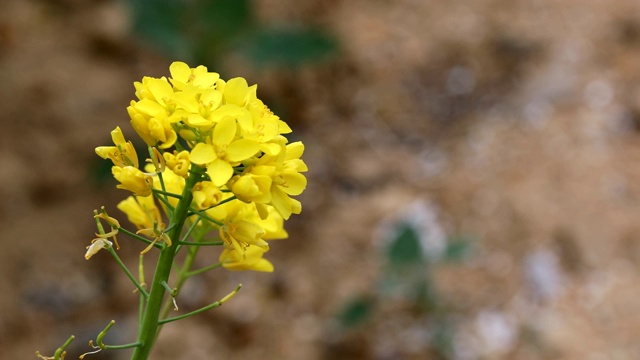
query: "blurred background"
473, 188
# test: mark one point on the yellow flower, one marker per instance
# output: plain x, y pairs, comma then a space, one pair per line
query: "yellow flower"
141, 211
251, 259
144, 214
238, 234
286, 181
264, 128
152, 129
201, 110
152, 117
273, 225
223, 151
206, 194
133, 179
123, 154
201, 120
238, 92
250, 187
178, 162
183, 77
239, 227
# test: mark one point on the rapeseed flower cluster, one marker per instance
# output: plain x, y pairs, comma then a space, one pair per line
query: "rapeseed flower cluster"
250, 172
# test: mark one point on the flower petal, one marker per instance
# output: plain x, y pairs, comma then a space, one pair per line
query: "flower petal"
180, 71
236, 91
219, 171
160, 89
186, 101
242, 149
197, 120
150, 107
202, 154
270, 148
294, 150
206, 80
224, 132
211, 98
295, 183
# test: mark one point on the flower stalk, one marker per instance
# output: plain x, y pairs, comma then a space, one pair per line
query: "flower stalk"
221, 176
150, 317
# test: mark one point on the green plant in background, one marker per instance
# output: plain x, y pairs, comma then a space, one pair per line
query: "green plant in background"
407, 277
221, 172
203, 30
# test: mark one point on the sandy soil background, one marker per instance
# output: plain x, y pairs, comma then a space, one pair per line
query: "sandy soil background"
511, 124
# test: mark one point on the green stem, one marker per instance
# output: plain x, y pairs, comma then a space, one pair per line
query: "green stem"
203, 270
180, 279
166, 193
143, 292
138, 237
204, 243
182, 275
143, 284
121, 347
205, 216
203, 309
149, 326
166, 203
60, 352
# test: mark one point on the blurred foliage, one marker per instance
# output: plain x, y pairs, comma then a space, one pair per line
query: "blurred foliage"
406, 278
458, 249
290, 47
356, 312
405, 249
203, 31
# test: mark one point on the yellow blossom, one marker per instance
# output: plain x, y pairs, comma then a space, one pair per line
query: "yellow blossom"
273, 224
122, 154
155, 112
141, 211
264, 127
195, 119
133, 179
238, 92
200, 77
284, 170
223, 151
251, 259
152, 129
250, 187
178, 162
206, 194
239, 227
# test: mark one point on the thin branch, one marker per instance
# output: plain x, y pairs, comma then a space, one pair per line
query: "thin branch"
203, 309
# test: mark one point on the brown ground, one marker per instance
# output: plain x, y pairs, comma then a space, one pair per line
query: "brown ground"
514, 123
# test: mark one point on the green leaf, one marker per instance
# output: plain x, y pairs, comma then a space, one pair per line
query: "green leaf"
356, 312
457, 249
287, 46
405, 248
